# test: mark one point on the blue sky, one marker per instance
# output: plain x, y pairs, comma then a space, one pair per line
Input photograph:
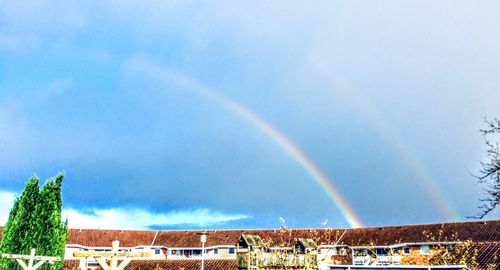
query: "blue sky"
140, 104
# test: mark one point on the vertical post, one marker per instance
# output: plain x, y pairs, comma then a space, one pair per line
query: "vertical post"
203, 239
113, 264
32, 258
202, 255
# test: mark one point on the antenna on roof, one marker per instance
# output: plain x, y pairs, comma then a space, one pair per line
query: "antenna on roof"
283, 223
340, 238
324, 222
154, 238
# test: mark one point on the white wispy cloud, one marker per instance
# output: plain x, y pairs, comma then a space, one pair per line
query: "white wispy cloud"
136, 218
28, 24
6, 201
129, 218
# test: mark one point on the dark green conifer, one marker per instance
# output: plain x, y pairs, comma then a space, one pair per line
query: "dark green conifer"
21, 228
35, 222
53, 232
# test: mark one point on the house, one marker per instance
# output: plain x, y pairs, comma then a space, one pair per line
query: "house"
255, 254
388, 245
334, 254
250, 252
306, 253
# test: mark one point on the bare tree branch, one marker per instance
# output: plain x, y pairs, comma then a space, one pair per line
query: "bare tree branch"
489, 174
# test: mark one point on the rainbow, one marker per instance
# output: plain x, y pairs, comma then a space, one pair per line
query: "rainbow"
285, 143
430, 185
295, 152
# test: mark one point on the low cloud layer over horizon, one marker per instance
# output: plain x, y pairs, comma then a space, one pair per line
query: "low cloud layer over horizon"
225, 115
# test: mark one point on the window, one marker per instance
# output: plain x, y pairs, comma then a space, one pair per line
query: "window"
360, 252
382, 251
406, 251
157, 251
231, 250
216, 251
425, 249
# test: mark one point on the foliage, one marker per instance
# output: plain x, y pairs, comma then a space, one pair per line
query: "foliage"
446, 250
279, 255
35, 222
20, 230
489, 175
53, 239
463, 253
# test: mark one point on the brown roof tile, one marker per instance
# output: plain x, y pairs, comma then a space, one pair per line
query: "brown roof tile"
478, 231
71, 265
482, 231
168, 265
103, 238
488, 254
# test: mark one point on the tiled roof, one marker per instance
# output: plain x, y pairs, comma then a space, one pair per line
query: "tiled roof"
488, 253
485, 236
478, 231
103, 238
168, 265
71, 265
482, 231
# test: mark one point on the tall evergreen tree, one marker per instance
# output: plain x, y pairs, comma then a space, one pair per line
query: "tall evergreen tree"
20, 230
53, 232
35, 222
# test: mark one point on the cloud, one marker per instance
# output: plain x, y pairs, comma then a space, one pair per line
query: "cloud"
6, 201
57, 87
29, 23
415, 70
130, 218
22, 134
136, 218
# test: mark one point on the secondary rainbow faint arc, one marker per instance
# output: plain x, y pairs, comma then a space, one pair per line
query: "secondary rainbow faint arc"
364, 105
285, 143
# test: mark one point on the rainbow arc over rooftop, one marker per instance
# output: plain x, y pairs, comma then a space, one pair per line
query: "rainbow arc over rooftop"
279, 138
